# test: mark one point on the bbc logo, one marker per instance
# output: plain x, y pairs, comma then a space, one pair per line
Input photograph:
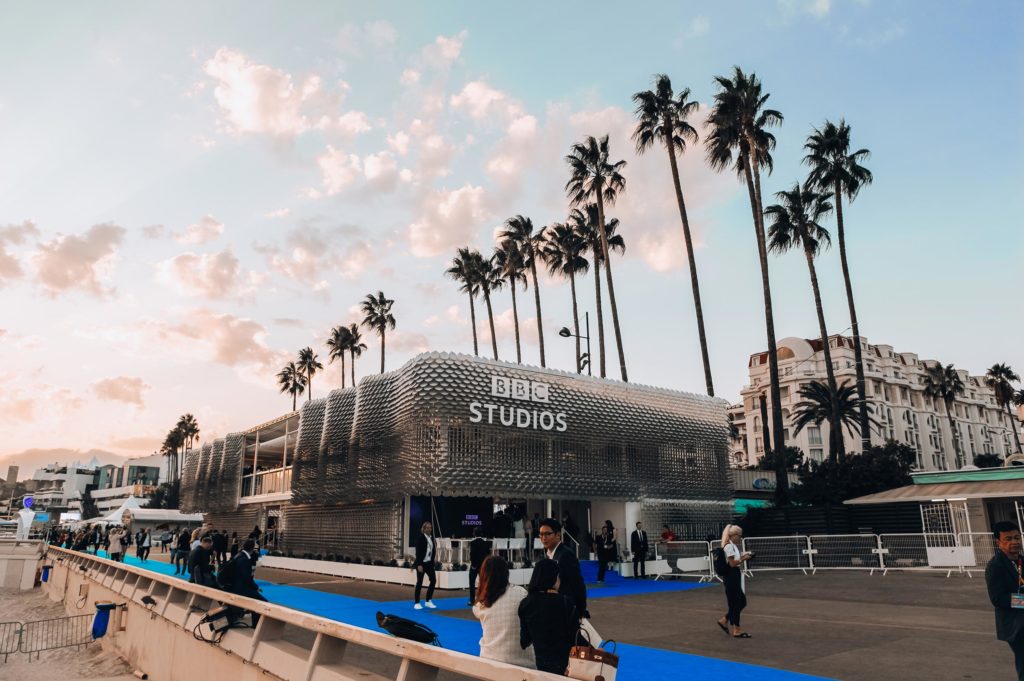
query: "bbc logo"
519, 389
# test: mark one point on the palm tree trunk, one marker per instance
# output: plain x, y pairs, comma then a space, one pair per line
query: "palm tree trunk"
515, 320
766, 432
836, 448
611, 287
309, 386
536, 299
753, 189
694, 283
294, 398
352, 366
575, 320
343, 369
472, 321
600, 314
858, 358
382, 348
953, 433
1016, 436
490, 320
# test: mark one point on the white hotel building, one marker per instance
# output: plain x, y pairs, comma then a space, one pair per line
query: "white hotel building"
895, 389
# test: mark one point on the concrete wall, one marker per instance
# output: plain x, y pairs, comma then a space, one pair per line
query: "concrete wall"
19, 562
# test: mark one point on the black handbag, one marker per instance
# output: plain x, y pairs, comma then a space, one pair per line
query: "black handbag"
401, 627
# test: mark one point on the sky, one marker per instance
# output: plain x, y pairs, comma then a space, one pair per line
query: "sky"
191, 192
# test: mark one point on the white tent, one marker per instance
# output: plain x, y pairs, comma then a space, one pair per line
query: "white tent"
131, 511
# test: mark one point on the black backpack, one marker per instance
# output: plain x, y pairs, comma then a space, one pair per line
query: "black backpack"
719, 562
227, 574
403, 628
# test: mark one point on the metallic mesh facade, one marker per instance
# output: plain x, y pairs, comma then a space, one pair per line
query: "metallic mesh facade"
371, 530
447, 424
226, 475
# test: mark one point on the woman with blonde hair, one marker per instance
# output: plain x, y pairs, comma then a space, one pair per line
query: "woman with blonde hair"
497, 608
732, 540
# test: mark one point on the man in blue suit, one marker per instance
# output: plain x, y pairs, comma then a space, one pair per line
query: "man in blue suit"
1004, 579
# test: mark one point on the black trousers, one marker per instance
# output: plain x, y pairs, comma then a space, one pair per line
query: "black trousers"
428, 570
1018, 656
736, 599
473, 573
142, 553
641, 561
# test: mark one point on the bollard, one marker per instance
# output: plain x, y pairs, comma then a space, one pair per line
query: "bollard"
102, 618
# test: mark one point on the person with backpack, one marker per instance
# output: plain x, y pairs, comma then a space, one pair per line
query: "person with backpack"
728, 563
548, 619
200, 563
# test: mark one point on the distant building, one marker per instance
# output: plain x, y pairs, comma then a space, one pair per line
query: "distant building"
59, 487
137, 478
895, 389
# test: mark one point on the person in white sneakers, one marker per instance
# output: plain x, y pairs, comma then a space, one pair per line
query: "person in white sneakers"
426, 552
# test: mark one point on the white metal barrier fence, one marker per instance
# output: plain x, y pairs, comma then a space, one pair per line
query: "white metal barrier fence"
966, 552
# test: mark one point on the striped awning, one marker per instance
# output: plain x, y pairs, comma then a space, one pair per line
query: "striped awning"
982, 489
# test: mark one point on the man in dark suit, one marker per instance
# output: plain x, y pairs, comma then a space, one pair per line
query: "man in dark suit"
479, 549
570, 578
242, 578
638, 545
1003, 578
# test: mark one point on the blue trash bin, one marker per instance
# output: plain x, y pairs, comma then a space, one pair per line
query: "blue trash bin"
102, 619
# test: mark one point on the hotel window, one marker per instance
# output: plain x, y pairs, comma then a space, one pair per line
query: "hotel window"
818, 454
784, 392
814, 435
758, 445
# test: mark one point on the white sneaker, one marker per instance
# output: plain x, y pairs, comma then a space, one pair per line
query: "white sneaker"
419, 607
430, 604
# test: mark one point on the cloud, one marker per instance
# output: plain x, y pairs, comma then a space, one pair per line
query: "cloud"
409, 77
220, 338
448, 219
259, 99
204, 231
445, 50
10, 266
480, 101
287, 321
313, 250
127, 389
279, 213
78, 262
403, 341
354, 40
153, 231
214, 276
338, 169
138, 442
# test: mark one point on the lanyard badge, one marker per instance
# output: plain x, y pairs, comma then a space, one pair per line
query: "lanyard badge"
1017, 599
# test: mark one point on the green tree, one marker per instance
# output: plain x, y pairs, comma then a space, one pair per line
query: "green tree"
795, 224
988, 461
740, 140
876, 469
166, 496
661, 117
596, 178
519, 230
563, 252
308, 363
820, 403
834, 168
462, 271
355, 348
337, 346
793, 458
292, 381
1000, 378
585, 223
944, 383
511, 266
377, 316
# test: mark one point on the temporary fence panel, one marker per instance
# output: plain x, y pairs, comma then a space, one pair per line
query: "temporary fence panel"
688, 558
61, 632
779, 553
10, 638
920, 551
981, 546
845, 551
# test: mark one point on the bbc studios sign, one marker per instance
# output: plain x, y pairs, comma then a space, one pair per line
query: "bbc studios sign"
534, 415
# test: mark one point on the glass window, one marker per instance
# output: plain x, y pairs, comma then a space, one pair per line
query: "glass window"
814, 435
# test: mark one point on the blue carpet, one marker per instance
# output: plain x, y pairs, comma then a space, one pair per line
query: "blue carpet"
638, 663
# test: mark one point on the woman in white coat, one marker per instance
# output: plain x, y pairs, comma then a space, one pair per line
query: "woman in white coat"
497, 608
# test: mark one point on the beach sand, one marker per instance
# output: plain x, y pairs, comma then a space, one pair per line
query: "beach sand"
68, 664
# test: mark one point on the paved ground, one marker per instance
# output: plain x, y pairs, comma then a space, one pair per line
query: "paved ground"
841, 625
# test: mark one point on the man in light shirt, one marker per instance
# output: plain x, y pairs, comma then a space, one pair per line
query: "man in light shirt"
569, 576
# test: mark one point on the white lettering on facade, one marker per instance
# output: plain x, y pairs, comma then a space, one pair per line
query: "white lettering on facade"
523, 391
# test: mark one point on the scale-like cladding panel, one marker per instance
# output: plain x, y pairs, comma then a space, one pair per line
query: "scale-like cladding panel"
377, 462
370, 530
226, 480
689, 520
189, 469
207, 476
240, 520
465, 427
332, 470
305, 465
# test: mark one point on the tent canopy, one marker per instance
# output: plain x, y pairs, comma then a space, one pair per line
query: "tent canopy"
149, 515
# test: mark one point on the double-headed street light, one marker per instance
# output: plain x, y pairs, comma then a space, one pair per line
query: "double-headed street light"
584, 358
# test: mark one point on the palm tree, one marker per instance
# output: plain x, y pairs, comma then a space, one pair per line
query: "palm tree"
172, 444
519, 230
511, 266
661, 117
834, 169
309, 364
821, 403
462, 272
739, 140
796, 224
563, 252
377, 316
337, 346
585, 223
944, 383
189, 427
355, 348
595, 178
487, 278
291, 380
1000, 378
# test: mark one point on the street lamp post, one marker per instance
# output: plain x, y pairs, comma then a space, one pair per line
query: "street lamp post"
564, 332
